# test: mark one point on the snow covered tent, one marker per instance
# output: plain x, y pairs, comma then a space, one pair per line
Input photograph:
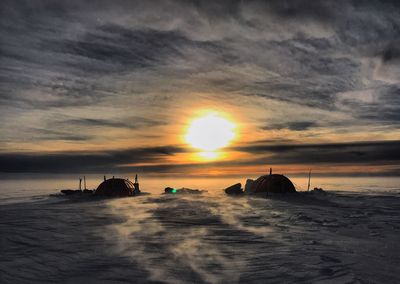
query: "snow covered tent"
272, 183
116, 187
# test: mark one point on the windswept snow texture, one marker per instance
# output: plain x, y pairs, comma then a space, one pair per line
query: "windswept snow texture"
208, 238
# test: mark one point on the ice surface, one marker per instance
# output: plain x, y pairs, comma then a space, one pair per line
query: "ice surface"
208, 238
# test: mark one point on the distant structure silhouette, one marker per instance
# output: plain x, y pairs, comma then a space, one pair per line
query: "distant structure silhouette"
234, 189
117, 187
273, 183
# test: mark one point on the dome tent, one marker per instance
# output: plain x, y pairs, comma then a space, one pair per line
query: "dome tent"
116, 187
273, 183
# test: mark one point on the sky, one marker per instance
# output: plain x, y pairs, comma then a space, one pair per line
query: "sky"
112, 86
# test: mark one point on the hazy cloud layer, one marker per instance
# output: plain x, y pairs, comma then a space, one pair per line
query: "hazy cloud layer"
296, 66
377, 153
100, 161
374, 152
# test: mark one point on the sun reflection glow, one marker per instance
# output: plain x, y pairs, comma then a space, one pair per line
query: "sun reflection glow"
209, 155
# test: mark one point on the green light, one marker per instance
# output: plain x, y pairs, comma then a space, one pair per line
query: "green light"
174, 190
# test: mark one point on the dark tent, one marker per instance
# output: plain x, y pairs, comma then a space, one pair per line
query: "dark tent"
272, 183
116, 187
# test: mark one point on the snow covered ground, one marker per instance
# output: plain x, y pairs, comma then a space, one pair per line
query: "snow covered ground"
338, 237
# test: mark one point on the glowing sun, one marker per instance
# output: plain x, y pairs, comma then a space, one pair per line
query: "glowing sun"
210, 132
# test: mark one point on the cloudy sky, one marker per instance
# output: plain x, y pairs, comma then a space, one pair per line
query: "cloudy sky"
94, 86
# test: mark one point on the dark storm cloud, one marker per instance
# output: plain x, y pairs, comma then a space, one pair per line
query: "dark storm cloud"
86, 40
392, 53
114, 48
382, 105
61, 70
314, 69
308, 73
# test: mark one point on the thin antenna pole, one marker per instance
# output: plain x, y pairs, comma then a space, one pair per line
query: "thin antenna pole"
136, 185
80, 183
84, 182
309, 179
